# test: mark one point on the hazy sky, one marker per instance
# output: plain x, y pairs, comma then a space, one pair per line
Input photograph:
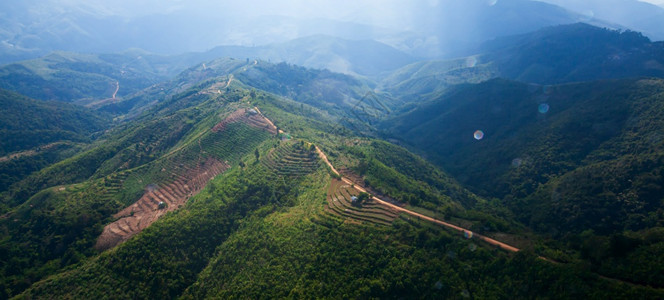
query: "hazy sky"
198, 25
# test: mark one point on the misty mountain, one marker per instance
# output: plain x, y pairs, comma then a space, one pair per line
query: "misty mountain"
85, 78
424, 79
457, 26
575, 52
564, 53
426, 29
650, 20
30, 31
360, 57
90, 78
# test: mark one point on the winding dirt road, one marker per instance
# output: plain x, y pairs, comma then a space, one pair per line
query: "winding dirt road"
117, 88
466, 232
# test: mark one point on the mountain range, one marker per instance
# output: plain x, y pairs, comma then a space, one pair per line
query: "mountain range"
432, 30
342, 160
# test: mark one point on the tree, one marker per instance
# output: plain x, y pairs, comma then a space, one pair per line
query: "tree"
257, 154
363, 197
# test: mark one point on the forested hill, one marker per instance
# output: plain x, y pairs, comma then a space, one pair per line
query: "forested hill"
27, 123
576, 52
553, 55
570, 161
35, 134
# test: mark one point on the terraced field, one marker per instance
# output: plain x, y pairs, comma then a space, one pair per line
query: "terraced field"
159, 199
339, 204
170, 182
251, 117
292, 159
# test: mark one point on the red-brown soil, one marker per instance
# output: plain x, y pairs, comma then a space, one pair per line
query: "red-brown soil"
138, 216
251, 117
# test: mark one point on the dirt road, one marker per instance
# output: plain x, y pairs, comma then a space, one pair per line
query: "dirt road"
466, 232
117, 88
270, 122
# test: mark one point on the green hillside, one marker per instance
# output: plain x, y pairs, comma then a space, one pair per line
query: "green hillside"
576, 52
262, 229
421, 80
35, 134
571, 161
83, 78
222, 183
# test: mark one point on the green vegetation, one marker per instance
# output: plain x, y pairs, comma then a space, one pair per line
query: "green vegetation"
588, 162
83, 78
27, 124
575, 52
54, 216
578, 180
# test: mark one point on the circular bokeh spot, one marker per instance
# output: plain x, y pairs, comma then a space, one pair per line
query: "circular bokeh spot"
478, 135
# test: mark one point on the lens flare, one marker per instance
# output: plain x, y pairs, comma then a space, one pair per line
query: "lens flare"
543, 108
471, 62
467, 234
478, 135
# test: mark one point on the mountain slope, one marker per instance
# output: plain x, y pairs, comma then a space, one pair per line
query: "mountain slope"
582, 163
650, 21
258, 230
522, 147
83, 78
351, 101
363, 57
28, 123
422, 80
577, 52
110, 194
34, 134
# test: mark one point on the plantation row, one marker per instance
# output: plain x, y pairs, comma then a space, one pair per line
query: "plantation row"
249, 116
169, 183
292, 159
157, 200
235, 141
340, 203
